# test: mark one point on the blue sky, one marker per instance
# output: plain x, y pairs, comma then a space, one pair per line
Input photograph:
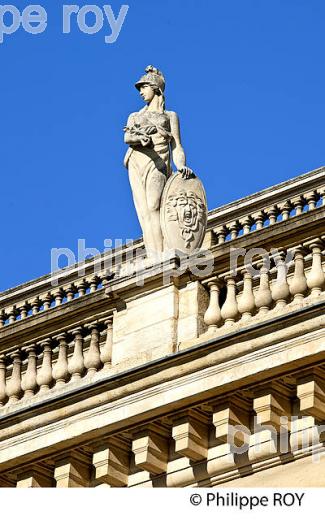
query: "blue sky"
246, 77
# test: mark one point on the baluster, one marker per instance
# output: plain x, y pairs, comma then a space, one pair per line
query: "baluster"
106, 351
58, 296
12, 315
298, 285
280, 289
298, 204
259, 219
92, 357
76, 362
229, 310
212, 316
234, 229
263, 297
246, 303
47, 300
221, 232
285, 209
29, 381
60, 370
3, 394
13, 387
35, 304
44, 376
82, 286
23, 311
246, 222
93, 284
106, 278
70, 292
272, 214
316, 278
321, 193
2, 319
311, 199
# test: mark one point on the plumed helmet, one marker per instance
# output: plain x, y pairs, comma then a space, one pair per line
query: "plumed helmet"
153, 77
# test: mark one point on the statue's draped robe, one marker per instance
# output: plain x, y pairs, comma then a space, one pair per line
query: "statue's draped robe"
149, 168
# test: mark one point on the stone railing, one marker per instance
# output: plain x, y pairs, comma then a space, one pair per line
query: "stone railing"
56, 352
236, 298
253, 213
259, 288
49, 363
54, 297
266, 208
67, 285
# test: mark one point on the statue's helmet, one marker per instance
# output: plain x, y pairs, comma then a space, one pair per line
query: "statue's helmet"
153, 77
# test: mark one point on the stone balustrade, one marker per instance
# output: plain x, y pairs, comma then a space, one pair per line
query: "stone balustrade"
137, 375
254, 213
223, 438
268, 207
295, 278
257, 289
51, 363
54, 298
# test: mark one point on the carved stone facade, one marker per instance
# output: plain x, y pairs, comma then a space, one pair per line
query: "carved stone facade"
108, 382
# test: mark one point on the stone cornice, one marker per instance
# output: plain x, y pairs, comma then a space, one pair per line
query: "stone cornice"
69, 425
254, 340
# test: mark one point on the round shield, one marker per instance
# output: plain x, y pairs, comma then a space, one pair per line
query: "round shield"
183, 213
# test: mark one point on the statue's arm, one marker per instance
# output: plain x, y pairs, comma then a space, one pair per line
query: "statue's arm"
179, 157
178, 153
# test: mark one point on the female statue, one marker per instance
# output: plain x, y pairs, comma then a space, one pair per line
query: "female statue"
153, 136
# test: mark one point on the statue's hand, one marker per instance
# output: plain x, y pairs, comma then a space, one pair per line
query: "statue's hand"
145, 141
187, 173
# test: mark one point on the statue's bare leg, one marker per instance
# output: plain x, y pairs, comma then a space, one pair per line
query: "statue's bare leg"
155, 186
140, 202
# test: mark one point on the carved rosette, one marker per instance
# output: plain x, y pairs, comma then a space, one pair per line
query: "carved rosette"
183, 214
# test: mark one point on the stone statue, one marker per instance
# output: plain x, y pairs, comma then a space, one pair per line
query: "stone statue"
153, 136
